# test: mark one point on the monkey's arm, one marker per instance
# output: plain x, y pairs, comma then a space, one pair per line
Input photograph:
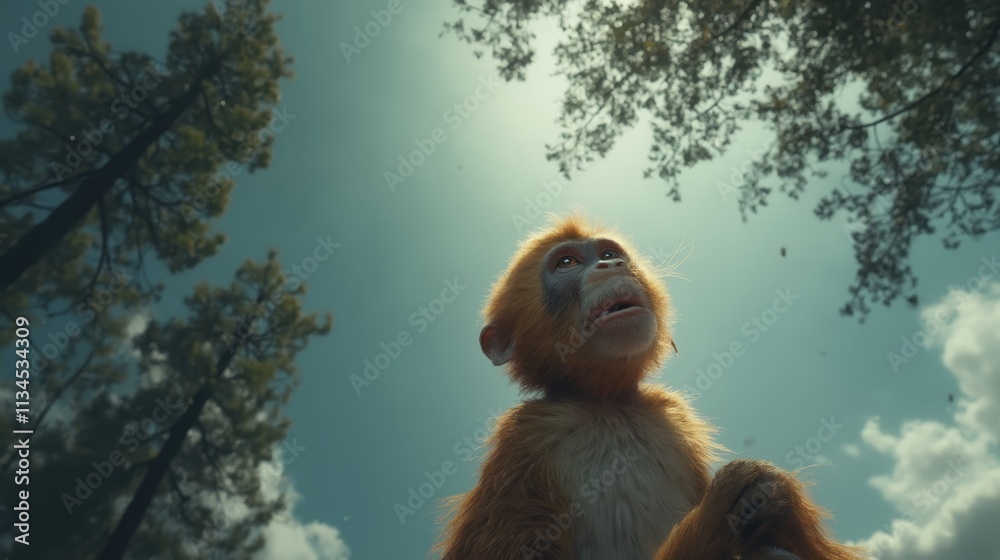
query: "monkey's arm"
513, 511
750, 507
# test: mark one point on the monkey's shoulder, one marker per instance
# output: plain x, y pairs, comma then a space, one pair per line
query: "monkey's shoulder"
672, 407
654, 415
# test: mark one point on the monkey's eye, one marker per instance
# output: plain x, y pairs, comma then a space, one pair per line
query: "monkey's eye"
610, 254
567, 261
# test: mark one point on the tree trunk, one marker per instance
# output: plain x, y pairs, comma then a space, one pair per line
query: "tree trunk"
42, 238
158, 468
136, 510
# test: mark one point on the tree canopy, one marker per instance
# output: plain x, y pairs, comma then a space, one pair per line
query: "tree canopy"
150, 434
905, 92
119, 156
169, 463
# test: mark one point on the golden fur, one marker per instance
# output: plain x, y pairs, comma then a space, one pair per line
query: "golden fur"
536, 494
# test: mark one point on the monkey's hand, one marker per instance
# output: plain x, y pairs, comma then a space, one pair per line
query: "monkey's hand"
752, 508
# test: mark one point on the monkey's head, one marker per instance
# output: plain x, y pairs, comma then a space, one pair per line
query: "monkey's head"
577, 311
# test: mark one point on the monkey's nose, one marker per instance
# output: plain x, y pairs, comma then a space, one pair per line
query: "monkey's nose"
616, 263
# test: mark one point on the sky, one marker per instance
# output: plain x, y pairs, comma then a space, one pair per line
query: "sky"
898, 465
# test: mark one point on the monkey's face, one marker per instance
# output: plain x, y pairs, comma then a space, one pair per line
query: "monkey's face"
592, 284
577, 307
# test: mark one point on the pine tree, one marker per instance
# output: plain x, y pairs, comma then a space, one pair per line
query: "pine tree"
170, 464
120, 156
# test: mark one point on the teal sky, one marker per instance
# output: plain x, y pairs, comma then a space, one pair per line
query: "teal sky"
451, 222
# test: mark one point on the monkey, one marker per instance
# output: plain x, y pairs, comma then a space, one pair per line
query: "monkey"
755, 511
598, 464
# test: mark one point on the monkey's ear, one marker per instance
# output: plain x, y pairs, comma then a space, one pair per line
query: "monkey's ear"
497, 346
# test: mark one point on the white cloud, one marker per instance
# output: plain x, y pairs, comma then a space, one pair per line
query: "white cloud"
288, 538
971, 350
137, 323
851, 450
155, 374
946, 477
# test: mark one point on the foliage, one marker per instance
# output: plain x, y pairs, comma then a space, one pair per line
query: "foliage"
206, 407
905, 91
120, 155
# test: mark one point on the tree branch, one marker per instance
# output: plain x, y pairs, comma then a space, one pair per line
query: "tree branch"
982, 51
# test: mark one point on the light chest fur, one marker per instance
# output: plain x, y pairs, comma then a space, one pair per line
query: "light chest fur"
627, 475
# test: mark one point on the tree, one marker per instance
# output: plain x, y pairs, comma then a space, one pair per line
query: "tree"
236, 388
119, 155
183, 444
905, 91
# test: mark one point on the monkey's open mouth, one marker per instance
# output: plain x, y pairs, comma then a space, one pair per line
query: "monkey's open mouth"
613, 309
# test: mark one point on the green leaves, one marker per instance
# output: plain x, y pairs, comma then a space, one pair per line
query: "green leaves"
234, 359
152, 146
906, 93
213, 382
117, 159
